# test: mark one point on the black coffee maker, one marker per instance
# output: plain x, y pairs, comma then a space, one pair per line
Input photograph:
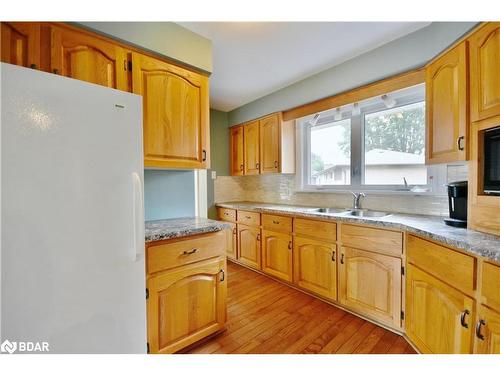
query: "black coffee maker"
457, 201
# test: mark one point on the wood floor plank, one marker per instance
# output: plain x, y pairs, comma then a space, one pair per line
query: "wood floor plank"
265, 316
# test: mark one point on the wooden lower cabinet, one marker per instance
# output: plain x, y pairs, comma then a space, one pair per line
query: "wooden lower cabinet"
315, 267
370, 284
249, 245
439, 318
186, 304
232, 250
277, 254
487, 332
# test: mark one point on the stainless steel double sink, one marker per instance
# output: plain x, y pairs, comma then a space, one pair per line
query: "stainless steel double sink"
350, 212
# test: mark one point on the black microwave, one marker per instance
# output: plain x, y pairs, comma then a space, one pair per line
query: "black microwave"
491, 172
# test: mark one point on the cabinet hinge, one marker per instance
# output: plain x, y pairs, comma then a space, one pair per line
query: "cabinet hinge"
147, 293
402, 270
147, 348
129, 65
402, 315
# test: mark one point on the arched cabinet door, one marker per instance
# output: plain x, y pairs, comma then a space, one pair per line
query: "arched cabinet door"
315, 266
86, 57
447, 107
439, 318
277, 254
21, 44
175, 113
484, 47
370, 283
249, 245
185, 305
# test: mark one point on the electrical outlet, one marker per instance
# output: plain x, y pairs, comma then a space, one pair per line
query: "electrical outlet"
214, 175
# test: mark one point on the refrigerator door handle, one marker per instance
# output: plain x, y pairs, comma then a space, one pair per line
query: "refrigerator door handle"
138, 218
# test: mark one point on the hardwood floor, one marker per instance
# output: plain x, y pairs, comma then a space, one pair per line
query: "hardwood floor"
265, 316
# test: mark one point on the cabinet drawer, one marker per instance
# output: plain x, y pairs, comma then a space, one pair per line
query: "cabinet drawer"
372, 239
277, 223
314, 228
185, 251
490, 285
226, 214
446, 264
248, 218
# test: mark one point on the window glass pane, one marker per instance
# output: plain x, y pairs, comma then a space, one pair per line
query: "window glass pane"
395, 146
331, 154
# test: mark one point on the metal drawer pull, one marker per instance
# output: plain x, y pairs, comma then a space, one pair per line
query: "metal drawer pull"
479, 335
462, 318
248, 217
258, 237
289, 245
342, 259
204, 155
275, 164
241, 167
223, 275
234, 231
333, 256
186, 252
257, 165
276, 222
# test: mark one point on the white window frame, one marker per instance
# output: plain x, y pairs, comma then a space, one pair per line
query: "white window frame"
436, 174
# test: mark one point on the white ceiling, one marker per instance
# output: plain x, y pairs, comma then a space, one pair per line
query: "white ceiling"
253, 59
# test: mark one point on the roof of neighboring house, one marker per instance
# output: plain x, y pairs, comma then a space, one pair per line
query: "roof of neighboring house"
378, 156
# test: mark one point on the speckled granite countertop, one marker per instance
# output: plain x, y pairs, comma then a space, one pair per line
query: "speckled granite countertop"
433, 227
157, 230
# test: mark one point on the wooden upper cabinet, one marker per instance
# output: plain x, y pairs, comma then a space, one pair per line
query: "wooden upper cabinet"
86, 57
175, 110
370, 283
315, 266
439, 318
251, 148
447, 107
21, 44
277, 254
236, 151
484, 47
270, 144
186, 305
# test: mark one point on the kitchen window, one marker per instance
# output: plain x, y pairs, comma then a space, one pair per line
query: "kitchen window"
374, 144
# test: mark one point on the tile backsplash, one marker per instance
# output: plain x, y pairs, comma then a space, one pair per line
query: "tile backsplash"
280, 188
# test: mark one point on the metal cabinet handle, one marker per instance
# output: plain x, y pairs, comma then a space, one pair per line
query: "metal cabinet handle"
223, 275
189, 252
333, 256
276, 164
55, 71
204, 155
276, 222
479, 335
33, 66
342, 258
459, 143
289, 245
257, 165
234, 231
258, 237
248, 217
241, 167
462, 318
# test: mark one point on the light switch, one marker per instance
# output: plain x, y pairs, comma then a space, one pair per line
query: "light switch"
214, 175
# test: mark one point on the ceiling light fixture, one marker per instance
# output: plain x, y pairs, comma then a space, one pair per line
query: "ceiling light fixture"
338, 115
389, 102
356, 110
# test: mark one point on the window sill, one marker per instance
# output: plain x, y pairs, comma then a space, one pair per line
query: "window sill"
372, 192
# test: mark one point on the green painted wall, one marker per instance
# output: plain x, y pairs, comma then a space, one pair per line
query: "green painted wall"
219, 154
400, 55
166, 38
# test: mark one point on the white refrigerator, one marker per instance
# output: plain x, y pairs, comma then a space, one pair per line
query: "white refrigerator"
72, 216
